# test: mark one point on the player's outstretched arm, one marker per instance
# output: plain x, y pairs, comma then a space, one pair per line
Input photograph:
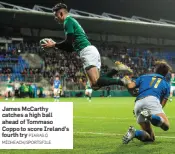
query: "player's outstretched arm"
132, 89
131, 85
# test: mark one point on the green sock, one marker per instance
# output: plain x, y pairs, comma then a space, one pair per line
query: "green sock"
106, 81
111, 73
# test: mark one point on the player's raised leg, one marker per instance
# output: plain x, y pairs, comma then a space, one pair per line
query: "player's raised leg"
92, 64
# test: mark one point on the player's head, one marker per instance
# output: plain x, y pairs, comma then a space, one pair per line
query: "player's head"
172, 75
60, 11
162, 67
57, 77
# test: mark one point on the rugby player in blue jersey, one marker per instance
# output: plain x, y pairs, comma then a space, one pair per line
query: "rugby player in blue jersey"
153, 94
56, 88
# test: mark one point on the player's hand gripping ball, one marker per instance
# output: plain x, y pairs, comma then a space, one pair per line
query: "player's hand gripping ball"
47, 43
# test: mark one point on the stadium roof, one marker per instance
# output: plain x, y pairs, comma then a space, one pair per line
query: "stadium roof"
41, 17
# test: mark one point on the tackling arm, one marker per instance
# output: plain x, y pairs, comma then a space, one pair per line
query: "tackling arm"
131, 85
132, 89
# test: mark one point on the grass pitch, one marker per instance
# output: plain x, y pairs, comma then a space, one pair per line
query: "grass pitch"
100, 125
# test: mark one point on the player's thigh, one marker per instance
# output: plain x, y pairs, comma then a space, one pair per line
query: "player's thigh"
7, 90
90, 57
137, 111
55, 91
149, 103
10, 91
58, 92
86, 92
89, 92
152, 104
91, 62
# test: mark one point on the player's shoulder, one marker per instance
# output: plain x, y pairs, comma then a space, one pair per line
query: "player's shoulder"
146, 76
69, 19
153, 75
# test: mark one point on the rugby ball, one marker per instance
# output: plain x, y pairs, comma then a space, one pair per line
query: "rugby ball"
44, 41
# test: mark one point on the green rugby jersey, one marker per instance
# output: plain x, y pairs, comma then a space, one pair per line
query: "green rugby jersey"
88, 86
173, 81
71, 26
9, 84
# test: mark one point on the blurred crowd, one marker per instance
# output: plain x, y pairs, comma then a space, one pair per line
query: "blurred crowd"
69, 66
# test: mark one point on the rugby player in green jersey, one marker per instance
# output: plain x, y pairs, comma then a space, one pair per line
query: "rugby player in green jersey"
9, 90
76, 40
172, 86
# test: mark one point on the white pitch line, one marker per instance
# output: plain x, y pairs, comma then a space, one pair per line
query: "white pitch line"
113, 134
113, 118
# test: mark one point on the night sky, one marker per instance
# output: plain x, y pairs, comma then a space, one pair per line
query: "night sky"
154, 9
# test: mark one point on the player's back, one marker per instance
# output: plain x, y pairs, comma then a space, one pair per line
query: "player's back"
152, 85
72, 26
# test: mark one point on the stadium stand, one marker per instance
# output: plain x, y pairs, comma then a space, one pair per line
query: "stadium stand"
133, 46
66, 64
12, 65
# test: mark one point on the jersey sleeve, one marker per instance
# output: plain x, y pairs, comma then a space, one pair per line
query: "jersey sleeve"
69, 28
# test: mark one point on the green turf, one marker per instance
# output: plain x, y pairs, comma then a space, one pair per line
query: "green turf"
99, 126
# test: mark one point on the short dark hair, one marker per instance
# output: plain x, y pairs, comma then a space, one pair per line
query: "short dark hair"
162, 67
59, 6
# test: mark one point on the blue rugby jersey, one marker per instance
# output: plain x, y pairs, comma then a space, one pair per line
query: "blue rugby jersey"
153, 85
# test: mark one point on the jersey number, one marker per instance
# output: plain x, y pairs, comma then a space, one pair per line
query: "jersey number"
157, 82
